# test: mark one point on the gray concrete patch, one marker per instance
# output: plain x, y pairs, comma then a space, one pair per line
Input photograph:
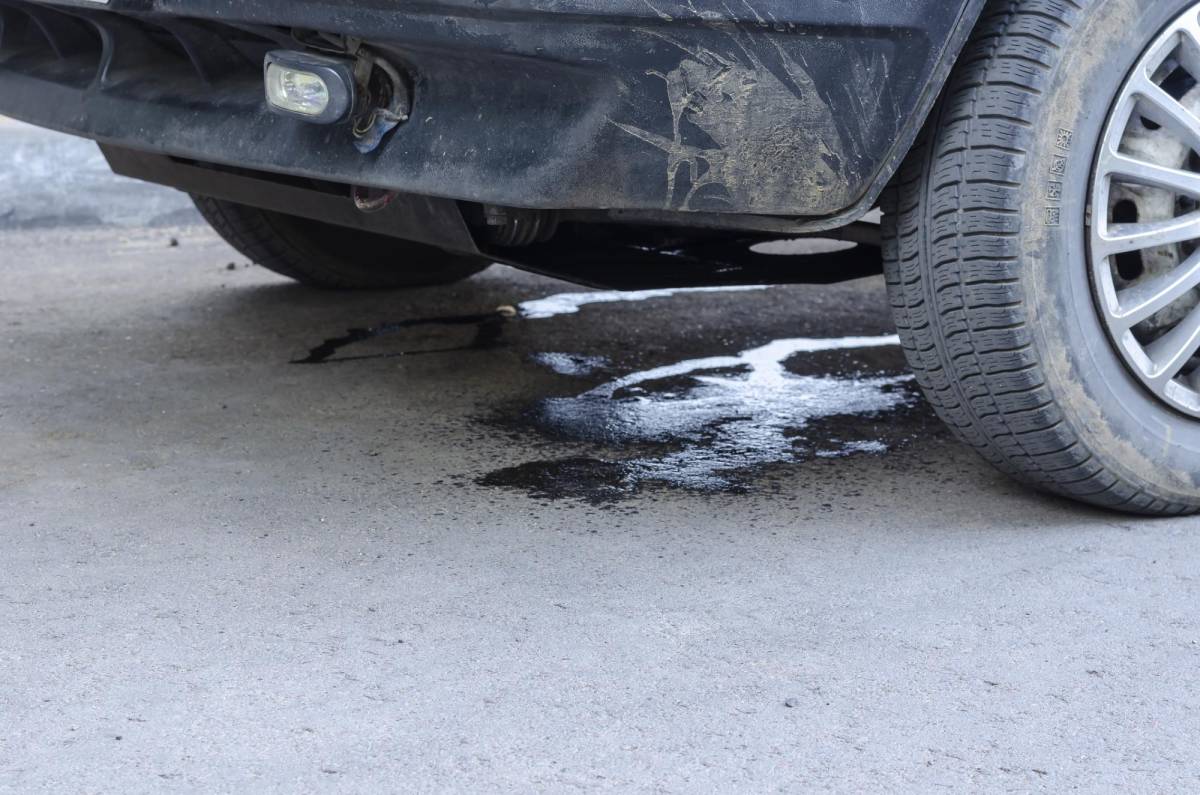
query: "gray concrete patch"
223, 570
51, 180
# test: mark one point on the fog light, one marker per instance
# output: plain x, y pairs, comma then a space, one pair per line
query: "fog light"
315, 88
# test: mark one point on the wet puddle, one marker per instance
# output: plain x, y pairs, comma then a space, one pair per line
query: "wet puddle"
569, 303
489, 327
706, 424
710, 424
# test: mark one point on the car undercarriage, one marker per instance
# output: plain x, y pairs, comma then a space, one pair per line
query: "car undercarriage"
641, 135
1035, 165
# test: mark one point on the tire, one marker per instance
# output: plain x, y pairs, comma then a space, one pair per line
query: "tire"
985, 242
332, 257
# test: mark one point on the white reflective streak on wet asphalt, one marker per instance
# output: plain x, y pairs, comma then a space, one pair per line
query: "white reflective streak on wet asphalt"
570, 363
569, 303
729, 413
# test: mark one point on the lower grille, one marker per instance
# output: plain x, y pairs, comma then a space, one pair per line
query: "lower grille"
103, 50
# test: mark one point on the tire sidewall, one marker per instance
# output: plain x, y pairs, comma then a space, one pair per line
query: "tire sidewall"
1131, 432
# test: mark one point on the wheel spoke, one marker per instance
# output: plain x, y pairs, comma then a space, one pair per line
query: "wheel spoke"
1171, 351
1145, 299
1128, 169
1118, 238
1189, 52
1163, 109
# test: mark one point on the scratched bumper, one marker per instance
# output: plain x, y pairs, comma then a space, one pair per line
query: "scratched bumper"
778, 108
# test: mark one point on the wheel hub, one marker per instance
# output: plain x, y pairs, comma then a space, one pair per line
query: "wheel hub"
1145, 224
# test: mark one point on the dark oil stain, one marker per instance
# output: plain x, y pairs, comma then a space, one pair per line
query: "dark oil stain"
718, 425
488, 334
591, 480
614, 474
712, 425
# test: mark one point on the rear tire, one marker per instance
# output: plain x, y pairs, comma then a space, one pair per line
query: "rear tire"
332, 257
986, 258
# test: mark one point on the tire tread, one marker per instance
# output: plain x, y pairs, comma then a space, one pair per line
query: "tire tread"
953, 263
266, 239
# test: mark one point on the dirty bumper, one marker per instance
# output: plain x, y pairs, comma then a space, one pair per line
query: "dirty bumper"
767, 108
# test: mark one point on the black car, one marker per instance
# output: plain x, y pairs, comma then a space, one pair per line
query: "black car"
1037, 163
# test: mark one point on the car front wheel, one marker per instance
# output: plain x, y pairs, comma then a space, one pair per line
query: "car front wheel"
1042, 249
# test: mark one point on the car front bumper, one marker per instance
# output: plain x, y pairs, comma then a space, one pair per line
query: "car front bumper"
777, 108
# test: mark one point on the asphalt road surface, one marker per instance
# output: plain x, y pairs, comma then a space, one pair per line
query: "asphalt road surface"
511, 535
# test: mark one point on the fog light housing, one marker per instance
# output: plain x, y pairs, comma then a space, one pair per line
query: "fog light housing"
315, 88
